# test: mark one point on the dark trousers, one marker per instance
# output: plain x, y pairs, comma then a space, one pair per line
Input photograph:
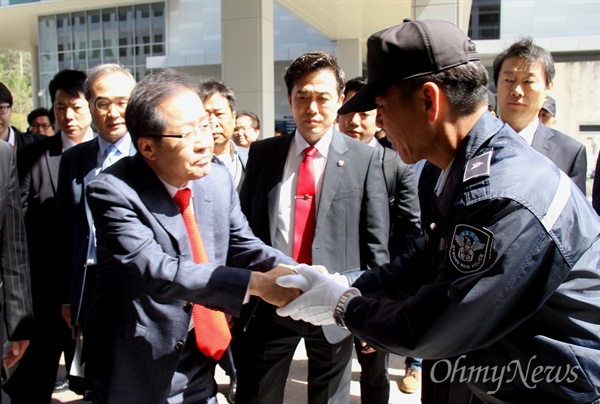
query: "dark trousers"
442, 391
374, 377
33, 380
264, 353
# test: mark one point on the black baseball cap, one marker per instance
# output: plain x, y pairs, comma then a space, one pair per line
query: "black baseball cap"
550, 105
408, 50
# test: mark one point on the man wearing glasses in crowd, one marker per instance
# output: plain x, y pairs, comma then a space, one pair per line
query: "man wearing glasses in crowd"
107, 89
171, 237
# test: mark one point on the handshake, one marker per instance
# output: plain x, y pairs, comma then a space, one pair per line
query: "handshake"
323, 297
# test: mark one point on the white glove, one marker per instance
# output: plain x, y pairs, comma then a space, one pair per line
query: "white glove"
317, 303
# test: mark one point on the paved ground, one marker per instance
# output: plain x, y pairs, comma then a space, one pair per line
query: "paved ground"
296, 386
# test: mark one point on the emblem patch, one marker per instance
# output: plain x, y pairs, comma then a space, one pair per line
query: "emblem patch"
470, 248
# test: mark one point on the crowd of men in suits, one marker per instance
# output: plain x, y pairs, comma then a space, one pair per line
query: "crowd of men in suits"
113, 262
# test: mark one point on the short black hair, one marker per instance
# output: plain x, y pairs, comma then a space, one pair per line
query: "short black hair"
70, 81
253, 117
312, 62
5, 95
525, 48
142, 116
209, 86
40, 112
355, 85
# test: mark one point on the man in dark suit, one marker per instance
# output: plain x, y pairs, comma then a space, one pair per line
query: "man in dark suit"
219, 103
505, 280
140, 346
33, 381
16, 310
523, 74
350, 231
9, 133
596, 187
405, 226
107, 90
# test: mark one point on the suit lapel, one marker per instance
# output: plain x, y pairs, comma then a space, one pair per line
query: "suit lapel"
88, 171
156, 198
204, 213
334, 170
541, 140
52, 157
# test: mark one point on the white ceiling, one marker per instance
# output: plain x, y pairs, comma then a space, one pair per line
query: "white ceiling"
336, 19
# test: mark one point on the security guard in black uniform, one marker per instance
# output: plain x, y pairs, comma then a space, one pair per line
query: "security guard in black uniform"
502, 295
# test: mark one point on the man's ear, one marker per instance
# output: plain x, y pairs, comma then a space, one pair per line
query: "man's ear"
431, 97
289, 96
146, 147
550, 86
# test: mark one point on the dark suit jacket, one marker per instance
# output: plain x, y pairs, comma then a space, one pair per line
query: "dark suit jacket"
22, 141
146, 275
405, 223
38, 195
564, 151
77, 169
352, 219
16, 310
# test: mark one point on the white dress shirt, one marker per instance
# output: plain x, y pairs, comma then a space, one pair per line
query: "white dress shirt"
284, 235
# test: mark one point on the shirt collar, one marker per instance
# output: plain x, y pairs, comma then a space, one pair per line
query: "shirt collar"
322, 145
123, 144
529, 131
67, 143
11, 137
172, 190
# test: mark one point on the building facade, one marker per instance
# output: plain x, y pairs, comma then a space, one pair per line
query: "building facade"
249, 44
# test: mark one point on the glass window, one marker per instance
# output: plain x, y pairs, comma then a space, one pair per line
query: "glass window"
79, 31
63, 32
109, 27
47, 32
126, 26
65, 60
94, 29
158, 22
485, 19
142, 24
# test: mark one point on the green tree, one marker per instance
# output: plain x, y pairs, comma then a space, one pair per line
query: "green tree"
15, 73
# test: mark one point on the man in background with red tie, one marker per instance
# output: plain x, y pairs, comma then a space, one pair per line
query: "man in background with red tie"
318, 196
172, 243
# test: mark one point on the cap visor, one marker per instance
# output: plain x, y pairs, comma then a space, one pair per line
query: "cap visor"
364, 100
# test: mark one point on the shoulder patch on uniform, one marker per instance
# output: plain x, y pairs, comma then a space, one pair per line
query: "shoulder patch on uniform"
470, 248
478, 166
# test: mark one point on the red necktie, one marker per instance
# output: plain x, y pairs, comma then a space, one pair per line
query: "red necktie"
304, 223
211, 328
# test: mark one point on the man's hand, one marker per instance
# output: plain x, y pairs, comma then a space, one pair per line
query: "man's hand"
317, 303
264, 286
66, 314
17, 350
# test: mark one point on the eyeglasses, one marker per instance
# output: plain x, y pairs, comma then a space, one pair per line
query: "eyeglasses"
43, 126
103, 104
4, 109
202, 129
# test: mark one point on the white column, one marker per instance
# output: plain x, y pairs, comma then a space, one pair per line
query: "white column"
247, 63
455, 11
349, 55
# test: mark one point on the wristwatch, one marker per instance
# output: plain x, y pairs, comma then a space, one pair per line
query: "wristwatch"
339, 313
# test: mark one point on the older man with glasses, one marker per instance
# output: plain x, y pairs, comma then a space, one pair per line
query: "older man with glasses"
172, 244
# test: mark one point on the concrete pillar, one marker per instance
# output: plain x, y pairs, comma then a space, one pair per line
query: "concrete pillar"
455, 11
349, 55
247, 63
35, 77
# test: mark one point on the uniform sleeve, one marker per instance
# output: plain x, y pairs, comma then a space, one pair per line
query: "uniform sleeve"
460, 310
